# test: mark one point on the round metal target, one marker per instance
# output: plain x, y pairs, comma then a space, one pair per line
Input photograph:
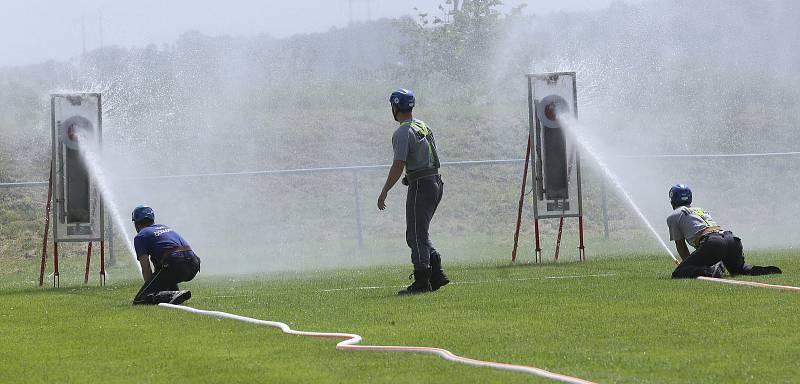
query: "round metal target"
549, 108
75, 129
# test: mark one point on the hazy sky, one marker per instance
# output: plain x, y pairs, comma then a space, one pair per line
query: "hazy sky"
33, 31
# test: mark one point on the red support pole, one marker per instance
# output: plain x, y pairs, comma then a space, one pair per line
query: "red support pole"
538, 250
46, 224
521, 200
88, 258
581, 248
558, 239
56, 281
102, 263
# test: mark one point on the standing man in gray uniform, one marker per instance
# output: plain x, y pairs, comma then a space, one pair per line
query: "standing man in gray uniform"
415, 150
713, 246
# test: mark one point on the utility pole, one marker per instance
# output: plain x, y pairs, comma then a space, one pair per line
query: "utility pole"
350, 6
83, 32
100, 25
367, 3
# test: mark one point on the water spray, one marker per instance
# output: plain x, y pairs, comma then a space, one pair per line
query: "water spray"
573, 129
89, 155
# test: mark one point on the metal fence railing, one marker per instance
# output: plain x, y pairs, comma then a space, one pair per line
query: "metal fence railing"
356, 170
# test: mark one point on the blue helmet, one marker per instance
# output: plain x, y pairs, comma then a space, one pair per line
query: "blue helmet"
403, 99
143, 212
680, 194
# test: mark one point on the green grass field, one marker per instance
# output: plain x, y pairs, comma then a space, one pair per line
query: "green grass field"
630, 324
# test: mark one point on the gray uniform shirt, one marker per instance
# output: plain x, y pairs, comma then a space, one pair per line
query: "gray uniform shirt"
412, 147
686, 223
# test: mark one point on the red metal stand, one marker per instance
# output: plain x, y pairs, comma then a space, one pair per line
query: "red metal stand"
538, 255
581, 248
558, 238
56, 281
545, 203
88, 258
102, 263
46, 224
521, 201
62, 176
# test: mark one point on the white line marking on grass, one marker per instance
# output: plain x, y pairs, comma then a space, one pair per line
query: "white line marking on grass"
475, 282
352, 339
751, 283
362, 288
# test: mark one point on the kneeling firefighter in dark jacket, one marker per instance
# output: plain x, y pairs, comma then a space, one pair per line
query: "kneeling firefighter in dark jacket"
172, 257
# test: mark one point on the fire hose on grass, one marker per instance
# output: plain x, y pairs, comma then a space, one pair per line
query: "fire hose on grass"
750, 283
351, 340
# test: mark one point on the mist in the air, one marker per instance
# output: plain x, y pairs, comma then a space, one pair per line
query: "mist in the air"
687, 78
190, 125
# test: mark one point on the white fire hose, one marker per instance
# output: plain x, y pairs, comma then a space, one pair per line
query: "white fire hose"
351, 340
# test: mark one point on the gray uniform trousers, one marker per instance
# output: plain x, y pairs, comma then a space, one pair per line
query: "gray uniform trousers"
424, 195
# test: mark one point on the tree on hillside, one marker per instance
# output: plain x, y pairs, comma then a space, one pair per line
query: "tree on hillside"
458, 44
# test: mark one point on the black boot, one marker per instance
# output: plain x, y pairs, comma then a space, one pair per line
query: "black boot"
716, 271
421, 283
768, 270
438, 278
180, 297
171, 297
